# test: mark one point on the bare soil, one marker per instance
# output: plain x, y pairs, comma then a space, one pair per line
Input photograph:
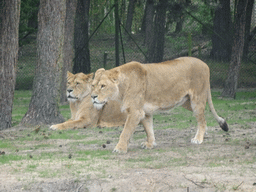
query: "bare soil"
223, 162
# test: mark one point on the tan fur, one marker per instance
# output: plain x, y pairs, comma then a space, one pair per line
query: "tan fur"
142, 89
83, 113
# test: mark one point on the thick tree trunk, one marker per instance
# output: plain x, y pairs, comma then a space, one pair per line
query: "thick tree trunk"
130, 12
9, 28
237, 50
221, 39
68, 49
82, 53
247, 29
43, 107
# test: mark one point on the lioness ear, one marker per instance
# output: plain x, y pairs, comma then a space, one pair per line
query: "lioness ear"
98, 73
69, 74
114, 75
90, 76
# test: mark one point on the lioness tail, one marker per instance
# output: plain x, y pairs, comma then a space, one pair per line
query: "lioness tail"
223, 124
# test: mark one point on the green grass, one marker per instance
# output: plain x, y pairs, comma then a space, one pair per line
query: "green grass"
240, 110
44, 146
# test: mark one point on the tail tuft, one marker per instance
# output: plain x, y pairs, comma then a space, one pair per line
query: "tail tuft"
224, 126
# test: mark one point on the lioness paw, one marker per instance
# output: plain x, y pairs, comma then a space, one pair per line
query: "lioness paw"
54, 127
147, 145
120, 150
196, 141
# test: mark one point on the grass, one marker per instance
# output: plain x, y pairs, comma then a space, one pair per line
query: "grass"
49, 154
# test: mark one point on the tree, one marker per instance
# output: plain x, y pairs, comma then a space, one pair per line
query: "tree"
149, 27
82, 53
156, 47
237, 50
247, 37
43, 107
222, 36
130, 12
68, 49
9, 28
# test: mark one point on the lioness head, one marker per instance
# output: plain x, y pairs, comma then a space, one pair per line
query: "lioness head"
78, 86
105, 87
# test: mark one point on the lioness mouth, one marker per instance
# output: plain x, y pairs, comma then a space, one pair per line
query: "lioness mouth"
70, 97
97, 103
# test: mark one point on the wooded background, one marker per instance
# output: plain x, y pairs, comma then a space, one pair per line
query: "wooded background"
55, 36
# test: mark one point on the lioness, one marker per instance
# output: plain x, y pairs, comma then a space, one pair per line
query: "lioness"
142, 89
83, 114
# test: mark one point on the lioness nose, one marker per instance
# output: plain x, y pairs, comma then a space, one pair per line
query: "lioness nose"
69, 90
94, 96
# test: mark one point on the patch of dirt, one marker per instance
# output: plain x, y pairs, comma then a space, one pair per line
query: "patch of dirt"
223, 162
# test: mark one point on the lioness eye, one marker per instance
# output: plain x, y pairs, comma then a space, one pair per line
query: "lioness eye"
102, 86
77, 83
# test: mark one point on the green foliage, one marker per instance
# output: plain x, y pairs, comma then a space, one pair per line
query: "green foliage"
28, 19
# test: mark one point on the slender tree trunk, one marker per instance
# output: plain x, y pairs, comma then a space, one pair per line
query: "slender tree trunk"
68, 49
160, 30
247, 28
82, 53
155, 41
9, 28
221, 43
130, 12
237, 50
149, 30
43, 107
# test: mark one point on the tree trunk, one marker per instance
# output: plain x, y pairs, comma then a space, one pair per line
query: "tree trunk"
221, 43
149, 29
43, 107
237, 50
160, 30
82, 53
130, 12
68, 49
9, 28
247, 29
155, 42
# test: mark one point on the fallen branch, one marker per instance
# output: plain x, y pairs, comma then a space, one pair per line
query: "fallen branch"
193, 182
193, 50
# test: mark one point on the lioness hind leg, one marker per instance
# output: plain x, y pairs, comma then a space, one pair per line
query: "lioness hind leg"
147, 122
198, 110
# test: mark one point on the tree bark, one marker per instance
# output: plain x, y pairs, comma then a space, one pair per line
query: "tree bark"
221, 43
130, 12
160, 30
82, 53
9, 28
237, 50
155, 42
149, 29
247, 29
68, 49
43, 107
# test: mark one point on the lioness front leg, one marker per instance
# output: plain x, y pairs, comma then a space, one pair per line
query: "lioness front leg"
132, 121
70, 124
148, 127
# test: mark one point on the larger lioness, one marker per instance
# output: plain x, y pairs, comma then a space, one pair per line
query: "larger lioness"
142, 89
83, 114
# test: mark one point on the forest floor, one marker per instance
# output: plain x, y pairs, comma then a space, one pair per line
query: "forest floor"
37, 159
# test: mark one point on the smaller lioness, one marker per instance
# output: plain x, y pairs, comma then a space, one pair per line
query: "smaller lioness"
83, 113
143, 89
